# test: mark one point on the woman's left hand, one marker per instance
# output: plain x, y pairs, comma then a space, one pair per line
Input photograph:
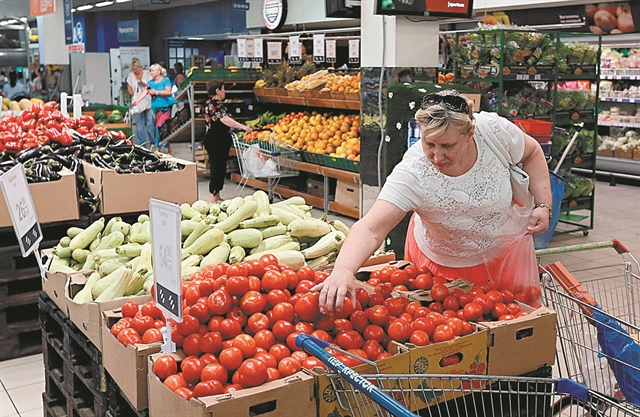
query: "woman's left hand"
539, 221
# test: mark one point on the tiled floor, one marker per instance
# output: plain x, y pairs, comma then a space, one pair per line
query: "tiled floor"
617, 216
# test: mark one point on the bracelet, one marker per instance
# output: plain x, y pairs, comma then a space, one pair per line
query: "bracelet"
544, 206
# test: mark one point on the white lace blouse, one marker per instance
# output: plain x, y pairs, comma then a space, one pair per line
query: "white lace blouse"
458, 217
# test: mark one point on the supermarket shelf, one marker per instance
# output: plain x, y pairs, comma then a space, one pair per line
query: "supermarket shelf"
313, 200
620, 77
621, 165
620, 100
620, 124
311, 102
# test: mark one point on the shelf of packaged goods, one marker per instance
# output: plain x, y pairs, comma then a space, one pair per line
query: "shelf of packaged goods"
620, 99
311, 102
620, 77
619, 124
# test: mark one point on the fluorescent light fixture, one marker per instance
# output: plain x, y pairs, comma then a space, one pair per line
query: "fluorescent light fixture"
23, 19
122, 1
104, 3
195, 39
85, 7
73, 10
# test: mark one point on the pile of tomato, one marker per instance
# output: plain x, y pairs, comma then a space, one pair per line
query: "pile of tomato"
240, 323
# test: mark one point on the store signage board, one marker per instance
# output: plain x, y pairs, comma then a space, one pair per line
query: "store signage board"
41, 7
274, 52
128, 30
240, 6
318, 48
250, 50
330, 46
274, 13
22, 211
242, 50
258, 50
354, 51
295, 54
68, 22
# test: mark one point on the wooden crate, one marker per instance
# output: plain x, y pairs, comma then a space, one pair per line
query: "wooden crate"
202, 159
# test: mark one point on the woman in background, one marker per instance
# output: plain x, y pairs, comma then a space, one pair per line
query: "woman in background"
141, 112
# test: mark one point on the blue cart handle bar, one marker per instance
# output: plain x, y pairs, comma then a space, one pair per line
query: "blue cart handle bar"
316, 347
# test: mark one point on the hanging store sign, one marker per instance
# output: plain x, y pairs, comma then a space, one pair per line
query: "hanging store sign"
258, 50
330, 45
128, 31
274, 13
240, 6
41, 7
354, 51
242, 50
295, 56
68, 22
318, 48
250, 50
274, 52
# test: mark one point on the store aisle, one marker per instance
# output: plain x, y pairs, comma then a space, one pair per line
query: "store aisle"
617, 216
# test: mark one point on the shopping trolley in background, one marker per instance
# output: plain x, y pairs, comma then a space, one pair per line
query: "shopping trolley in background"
598, 322
265, 159
456, 395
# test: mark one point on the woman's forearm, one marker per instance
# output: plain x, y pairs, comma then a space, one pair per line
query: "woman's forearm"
536, 166
357, 248
233, 124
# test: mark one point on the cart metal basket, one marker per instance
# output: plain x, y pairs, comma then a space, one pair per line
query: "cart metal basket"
265, 159
457, 395
598, 322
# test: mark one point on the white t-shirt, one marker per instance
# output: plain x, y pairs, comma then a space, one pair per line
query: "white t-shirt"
458, 217
138, 89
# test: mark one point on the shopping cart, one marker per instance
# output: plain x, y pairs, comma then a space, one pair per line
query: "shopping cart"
456, 395
598, 322
265, 159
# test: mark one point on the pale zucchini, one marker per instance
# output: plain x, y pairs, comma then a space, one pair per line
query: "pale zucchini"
109, 225
90, 264
130, 250
73, 232
323, 260
218, 255
272, 243
260, 222
62, 252
188, 272
224, 205
80, 255
192, 260
109, 266
236, 254
222, 216
214, 209
84, 295
143, 218
308, 228
101, 256
329, 243
248, 198
84, 238
117, 288
187, 227
105, 282
211, 219
285, 216
287, 246
187, 212
122, 227
295, 200
244, 212
201, 206
339, 226
279, 229
197, 232
95, 243
144, 236
293, 258
111, 241
260, 197
136, 228
247, 238
64, 242
235, 204
205, 243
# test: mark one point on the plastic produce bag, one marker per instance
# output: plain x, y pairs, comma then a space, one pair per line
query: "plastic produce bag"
541, 241
512, 265
257, 164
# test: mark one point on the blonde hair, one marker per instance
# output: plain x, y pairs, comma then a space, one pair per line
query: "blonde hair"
437, 118
158, 67
135, 62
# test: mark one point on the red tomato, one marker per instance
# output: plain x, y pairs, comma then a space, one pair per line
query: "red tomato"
449, 314
165, 366
399, 331
383, 289
304, 286
419, 338
219, 302
269, 259
257, 322
264, 339
253, 302
375, 299
273, 374
304, 327
384, 355
451, 303
506, 317
307, 307
152, 335
206, 388
349, 339
443, 333
439, 292
398, 277
374, 332
129, 309
252, 373
422, 323
521, 313
275, 297
305, 273
379, 315
214, 323
507, 296
239, 269
291, 341
495, 296
246, 344
472, 311
255, 284
456, 325
412, 307
236, 314
513, 308
191, 345
184, 392
273, 280
312, 362
358, 352
125, 333
120, 325
359, 320
200, 311
342, 325
326, 323
394, 306
191, 368
229, 388
372, 348
288, 366
173, 382
322, 335
192, 294
283, 311
150, 309
230, 358
142, 323
485, 303
279, 351
237, 285
499, 309
268, 359
282, 328
423, 312
412, 271
206, 287
466, 299
208, 359
362, 297
230, 328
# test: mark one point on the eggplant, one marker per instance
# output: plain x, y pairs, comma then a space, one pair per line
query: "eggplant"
70, 150
99, 161
30, 153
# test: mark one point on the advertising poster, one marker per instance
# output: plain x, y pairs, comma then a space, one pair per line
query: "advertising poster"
127, 53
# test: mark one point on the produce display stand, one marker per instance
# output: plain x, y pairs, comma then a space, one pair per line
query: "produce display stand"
311, 102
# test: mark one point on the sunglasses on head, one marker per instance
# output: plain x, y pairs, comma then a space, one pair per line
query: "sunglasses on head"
454, 103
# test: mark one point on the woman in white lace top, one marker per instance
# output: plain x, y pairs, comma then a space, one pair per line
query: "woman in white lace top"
460, 192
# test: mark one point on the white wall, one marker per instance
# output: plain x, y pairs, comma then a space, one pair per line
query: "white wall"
53, 49
299, 12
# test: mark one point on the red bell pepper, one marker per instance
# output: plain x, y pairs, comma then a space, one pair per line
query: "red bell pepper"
86, 121
50, 105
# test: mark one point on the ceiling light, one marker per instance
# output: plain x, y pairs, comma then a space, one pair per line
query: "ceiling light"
85, 7
23, 19
73, 10
104, 3
122, 1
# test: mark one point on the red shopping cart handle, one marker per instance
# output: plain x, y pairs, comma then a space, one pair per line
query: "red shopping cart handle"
571, 285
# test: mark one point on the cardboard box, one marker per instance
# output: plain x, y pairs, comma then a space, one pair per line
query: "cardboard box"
533, 337
424, 296
130, 193
328, 405
127, 365
348, 193
54, 285
291, 396
315, 188
55, 201
88, 317
470, 351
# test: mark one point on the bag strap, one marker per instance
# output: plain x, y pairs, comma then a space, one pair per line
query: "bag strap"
483, 124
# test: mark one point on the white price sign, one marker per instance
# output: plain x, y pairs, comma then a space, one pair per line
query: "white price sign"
258, 54
295, 56
21, 209
318, 48
167, 267
331, 50
354, 51
242, 50
274, 52
250, 50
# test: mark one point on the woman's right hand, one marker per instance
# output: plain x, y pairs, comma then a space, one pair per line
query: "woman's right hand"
134, 103
334, 289
248, 129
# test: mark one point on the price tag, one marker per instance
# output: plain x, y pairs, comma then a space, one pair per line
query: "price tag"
167, 267
274, 52
331, 50
250, 50
258, 47
354, 51
242, 50
22, 211
318, 48
295, 56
